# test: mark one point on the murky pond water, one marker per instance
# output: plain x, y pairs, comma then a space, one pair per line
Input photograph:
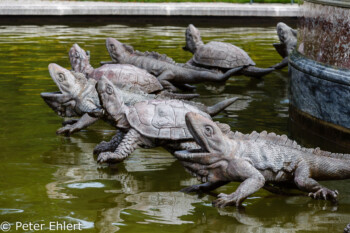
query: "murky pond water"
45, 177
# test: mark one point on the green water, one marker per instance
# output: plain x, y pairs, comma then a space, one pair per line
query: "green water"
45, 177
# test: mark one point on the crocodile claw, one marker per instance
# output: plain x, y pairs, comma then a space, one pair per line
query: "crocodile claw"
191, 189
226, 200
325, 194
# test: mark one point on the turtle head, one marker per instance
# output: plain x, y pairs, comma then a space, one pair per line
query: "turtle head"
193, 39
110, 100
62, 104
287, 37
117, 50
79, 59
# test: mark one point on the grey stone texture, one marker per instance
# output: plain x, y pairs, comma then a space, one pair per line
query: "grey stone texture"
319, 90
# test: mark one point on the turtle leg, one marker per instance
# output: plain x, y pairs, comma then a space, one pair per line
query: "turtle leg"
256, 72
111, 145
82, 123
129, 143
164, 80
282, 64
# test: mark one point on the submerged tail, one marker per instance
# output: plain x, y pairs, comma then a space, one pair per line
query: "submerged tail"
215, 109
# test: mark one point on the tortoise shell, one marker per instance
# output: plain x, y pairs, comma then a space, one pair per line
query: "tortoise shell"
222, 55
162, 119
123, 75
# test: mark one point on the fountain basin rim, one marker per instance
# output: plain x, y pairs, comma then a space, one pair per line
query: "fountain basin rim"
338, 3
320, 70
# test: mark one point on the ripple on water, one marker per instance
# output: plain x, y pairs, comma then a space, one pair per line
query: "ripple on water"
4, 211
86, 185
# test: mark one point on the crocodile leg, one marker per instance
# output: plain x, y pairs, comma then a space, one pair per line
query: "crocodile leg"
69, 122
130, 142
185, 87
111, 145
303, 180
253, 181
206, 187
82, 123
164, 80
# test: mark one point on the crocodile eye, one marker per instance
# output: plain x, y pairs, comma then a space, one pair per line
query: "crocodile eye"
77, 55
112, 46
109, 90
208, 130
61, 77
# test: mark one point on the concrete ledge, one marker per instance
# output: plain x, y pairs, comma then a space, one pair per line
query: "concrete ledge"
62, 8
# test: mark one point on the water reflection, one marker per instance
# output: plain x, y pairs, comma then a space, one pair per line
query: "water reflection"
46, 177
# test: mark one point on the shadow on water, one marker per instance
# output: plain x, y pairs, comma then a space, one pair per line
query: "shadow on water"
45, 177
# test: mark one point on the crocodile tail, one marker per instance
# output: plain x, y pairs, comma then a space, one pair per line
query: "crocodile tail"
155, 55
283, 140
166, 94
215, 109
257, 72
317, 151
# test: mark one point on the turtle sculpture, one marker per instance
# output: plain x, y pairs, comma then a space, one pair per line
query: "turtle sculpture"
169, 73
220, 55
120, 74
288, 42
78, 96
146, 124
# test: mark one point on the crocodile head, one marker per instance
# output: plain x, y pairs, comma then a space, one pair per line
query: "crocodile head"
111, 101
288, 39
117, 50
79, 59
193, 39
77, 95
207, 134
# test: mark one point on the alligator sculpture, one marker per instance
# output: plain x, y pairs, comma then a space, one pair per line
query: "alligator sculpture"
78, 96
220, 55
258, 160
170, 74
120, 74
288, 42
145, 124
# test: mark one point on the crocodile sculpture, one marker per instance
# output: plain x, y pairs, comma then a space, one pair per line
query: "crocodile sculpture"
288, 42
258, 160
220, 55
78, 96
121, 74
170, 74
